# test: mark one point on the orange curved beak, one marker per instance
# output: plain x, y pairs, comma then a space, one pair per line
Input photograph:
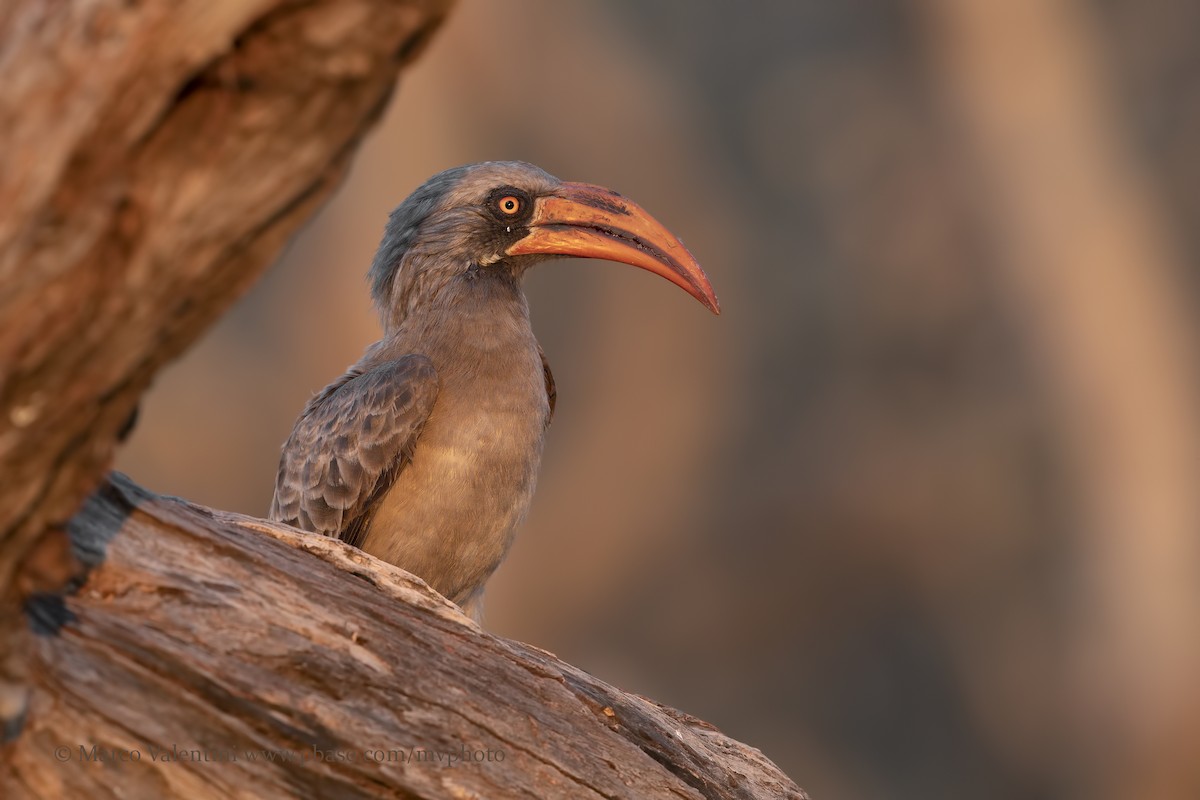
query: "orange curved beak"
593, 222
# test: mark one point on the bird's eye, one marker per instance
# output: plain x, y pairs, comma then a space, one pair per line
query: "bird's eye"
509, 205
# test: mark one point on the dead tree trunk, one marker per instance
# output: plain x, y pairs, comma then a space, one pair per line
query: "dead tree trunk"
156, 157
206, 649
207, 654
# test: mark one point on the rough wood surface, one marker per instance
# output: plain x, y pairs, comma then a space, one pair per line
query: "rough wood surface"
157, 155
207, 649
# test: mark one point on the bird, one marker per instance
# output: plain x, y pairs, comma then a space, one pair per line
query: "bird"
425, 453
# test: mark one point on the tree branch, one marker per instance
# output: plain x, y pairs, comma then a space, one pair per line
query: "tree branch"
226, 638
157, 157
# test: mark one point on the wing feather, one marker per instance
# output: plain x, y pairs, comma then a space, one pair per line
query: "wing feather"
551, 389
349, 443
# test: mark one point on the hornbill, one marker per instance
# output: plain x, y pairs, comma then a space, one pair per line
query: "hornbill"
426, 451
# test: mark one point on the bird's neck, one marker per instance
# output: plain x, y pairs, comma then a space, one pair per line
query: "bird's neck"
475, 314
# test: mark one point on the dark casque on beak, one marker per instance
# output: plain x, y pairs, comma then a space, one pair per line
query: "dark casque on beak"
593, 222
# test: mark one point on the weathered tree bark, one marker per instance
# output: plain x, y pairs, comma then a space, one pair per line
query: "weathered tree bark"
157, 156
205, 644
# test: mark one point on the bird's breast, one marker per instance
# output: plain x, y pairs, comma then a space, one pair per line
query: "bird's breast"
452, 512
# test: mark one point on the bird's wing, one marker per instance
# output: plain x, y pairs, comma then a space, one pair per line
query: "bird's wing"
551, 389
349, 444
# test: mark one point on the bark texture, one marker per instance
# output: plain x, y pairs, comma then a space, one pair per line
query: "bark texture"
156, 158
214, 655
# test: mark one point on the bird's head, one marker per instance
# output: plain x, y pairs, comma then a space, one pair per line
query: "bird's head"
504, 216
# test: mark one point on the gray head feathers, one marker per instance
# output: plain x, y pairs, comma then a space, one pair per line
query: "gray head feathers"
457, 187
402, 227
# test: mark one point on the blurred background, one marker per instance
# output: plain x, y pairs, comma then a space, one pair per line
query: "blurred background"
918, 515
